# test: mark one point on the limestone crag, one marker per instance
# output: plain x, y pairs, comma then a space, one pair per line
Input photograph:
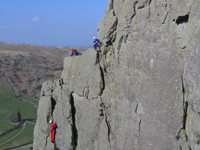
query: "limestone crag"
143, 94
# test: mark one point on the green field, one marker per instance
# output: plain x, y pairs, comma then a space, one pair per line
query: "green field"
11, 104
4, 125
24, 137
10, 134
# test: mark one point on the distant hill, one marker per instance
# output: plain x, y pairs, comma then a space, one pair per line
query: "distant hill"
25, 67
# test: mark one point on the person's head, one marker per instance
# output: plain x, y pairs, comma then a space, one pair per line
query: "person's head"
72, 49
50, 121
95, 38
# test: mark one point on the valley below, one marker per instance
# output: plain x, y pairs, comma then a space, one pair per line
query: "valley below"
23, 69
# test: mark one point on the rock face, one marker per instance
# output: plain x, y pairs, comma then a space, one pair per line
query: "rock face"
143, 94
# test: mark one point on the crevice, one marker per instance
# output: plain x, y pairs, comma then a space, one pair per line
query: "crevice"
185, 108
111, 5
144, 4
189, 147
150, 2
46, 139
139, 129
165, 18
136, 108
53, 105
109, 43
109, 128
97, 58
185, 105
114, 13
180, 147
112, 34
61, 83
120, 43
126, 37
182, 19
134, 12
102, 81
74, 129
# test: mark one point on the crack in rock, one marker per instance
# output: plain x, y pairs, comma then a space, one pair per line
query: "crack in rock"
74, 129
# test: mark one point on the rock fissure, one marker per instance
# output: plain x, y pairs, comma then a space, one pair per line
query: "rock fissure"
185, 105
180, 147
53, 105
165, 17
136, 108
134, 12
139, 128
150, 2
182, 19
120, 44
61, 83
74, 141
126, 37
185, 109
109, 127
111, 5
102, 81
46, 139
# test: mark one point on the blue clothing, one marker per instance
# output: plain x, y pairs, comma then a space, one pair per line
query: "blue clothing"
96, 41
97, 44
74, 52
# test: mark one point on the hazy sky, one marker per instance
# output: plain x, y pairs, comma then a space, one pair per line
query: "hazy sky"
50, 22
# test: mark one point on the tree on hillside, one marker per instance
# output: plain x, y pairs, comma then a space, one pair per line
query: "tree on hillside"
19, 116
14, 117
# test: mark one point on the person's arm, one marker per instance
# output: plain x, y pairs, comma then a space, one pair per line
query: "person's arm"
94, 43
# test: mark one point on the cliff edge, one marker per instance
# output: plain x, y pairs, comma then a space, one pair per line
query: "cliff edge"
141, 92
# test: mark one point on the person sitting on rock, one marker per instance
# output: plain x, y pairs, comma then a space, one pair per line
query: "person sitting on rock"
52, 130
96, 43
75, 53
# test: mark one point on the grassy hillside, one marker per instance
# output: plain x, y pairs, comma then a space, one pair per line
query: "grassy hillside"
26, 67
11, 104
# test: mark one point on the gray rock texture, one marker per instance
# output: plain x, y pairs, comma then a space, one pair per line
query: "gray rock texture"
143, 94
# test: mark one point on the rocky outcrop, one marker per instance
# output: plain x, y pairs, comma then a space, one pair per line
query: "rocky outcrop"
144, 94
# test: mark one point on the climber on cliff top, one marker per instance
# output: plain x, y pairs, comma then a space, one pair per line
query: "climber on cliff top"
96, 43
52, 130
74, 52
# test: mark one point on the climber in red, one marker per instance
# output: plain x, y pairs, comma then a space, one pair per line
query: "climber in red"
52, 130
75, 52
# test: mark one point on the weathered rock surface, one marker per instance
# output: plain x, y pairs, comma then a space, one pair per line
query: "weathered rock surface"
147, 80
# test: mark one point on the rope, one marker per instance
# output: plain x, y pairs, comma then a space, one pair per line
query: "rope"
89, 39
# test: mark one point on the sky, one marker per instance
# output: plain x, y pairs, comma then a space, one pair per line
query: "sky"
50, 22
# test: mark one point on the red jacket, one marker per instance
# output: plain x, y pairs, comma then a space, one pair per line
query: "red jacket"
52, 126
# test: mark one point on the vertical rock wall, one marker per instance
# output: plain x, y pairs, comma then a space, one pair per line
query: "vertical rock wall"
143, 94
